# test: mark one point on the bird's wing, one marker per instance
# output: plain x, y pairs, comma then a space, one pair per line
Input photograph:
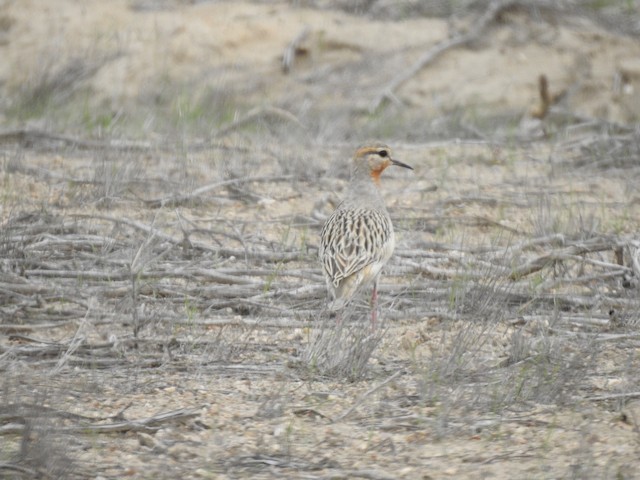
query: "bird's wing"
353, 239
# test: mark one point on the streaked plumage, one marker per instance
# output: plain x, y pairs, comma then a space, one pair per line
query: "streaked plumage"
357, 240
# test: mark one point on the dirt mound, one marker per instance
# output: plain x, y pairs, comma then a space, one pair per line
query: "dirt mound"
126, 55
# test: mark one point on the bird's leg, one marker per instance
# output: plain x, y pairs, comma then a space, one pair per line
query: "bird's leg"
374, 305
335, 310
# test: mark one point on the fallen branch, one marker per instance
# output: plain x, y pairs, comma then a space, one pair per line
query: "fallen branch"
293, 49
247, 322
144, 424
365, 395
494, 9
15, 327
20, 469
260, 112
30, 137
149, 424
228, 252
178, 200
542, 261
74, 344
613, 396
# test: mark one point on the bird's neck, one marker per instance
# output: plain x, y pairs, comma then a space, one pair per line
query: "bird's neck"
375, 176
365, 192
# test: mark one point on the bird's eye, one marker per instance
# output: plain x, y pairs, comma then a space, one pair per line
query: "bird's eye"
383, 153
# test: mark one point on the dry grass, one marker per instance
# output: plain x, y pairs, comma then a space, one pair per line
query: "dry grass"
183, 290
343, 347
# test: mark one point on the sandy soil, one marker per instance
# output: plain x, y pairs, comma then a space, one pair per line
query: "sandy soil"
241, 44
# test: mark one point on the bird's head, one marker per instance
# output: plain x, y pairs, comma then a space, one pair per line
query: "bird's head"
372, 160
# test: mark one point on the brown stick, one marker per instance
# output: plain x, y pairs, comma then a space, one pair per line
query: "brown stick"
364, 396
177, 200
494, 9
539, 263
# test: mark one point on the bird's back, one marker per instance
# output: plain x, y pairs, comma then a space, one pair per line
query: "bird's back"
355, 244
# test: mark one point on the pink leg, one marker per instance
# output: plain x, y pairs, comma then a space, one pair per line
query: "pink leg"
336, 309
374, 305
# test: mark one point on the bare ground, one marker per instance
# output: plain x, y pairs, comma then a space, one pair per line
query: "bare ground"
163, 185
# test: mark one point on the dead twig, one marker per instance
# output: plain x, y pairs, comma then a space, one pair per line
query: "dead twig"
30, 137
144, 424
248, 322
149, 424
20, 469
178, 200
254, 254
613, 396
494, 9
294, 49
365, 395
76, 341
260, 112
542, 261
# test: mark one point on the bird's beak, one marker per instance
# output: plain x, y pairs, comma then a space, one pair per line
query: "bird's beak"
400, 164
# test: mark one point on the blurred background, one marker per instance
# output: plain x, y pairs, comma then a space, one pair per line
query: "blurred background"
325, 71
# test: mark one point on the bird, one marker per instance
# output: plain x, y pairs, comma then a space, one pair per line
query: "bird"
357, 240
